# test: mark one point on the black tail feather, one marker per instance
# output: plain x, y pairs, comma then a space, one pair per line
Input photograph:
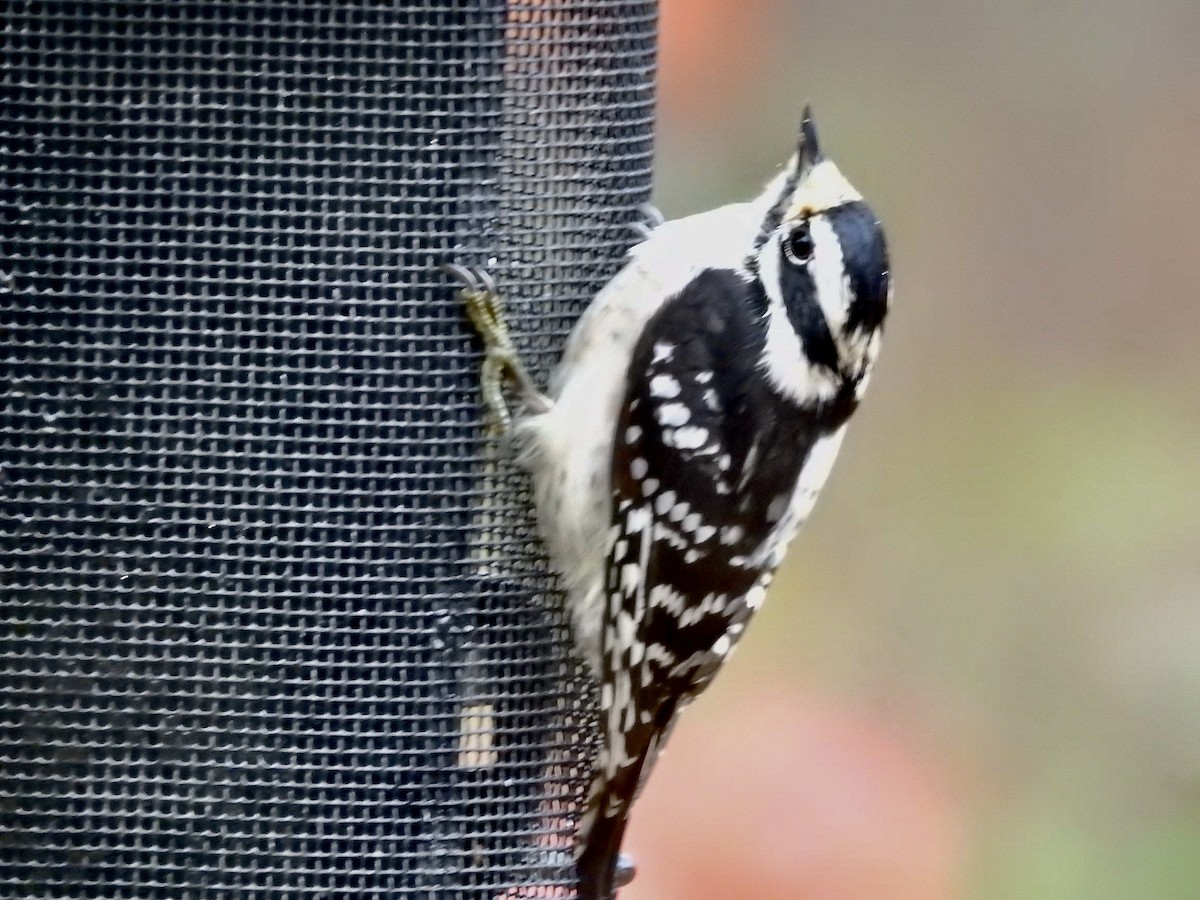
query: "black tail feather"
598, 857
597, 865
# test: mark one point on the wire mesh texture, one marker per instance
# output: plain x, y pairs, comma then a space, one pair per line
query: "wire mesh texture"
273, 619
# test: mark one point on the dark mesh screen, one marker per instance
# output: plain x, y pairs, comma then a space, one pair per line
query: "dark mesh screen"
272, 619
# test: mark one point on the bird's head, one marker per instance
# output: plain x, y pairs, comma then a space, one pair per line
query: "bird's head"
822, 260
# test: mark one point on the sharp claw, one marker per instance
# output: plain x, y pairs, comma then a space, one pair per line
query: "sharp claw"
463, 275
487, 283
652, 214
486, 311
651, 218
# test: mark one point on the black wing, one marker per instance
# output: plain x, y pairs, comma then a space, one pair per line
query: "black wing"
706, 458
705, 461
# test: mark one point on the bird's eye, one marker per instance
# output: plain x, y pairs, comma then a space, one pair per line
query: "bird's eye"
798, 246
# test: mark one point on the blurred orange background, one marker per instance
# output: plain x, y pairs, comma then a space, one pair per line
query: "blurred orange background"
978, 675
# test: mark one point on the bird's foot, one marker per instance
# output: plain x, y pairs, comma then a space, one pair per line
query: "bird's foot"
649, 219
500, 361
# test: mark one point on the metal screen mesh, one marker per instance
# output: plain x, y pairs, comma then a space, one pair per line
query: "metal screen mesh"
273, 622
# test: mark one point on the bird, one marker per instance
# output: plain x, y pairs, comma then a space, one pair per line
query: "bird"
697, 410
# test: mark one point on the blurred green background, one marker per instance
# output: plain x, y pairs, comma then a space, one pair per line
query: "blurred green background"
978, 675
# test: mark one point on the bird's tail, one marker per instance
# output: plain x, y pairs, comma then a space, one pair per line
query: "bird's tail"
602, 828
597, 863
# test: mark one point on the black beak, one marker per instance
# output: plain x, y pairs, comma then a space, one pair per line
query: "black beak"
808, 154
810, 146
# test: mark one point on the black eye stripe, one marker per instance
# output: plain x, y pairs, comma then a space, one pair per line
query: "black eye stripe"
799, 294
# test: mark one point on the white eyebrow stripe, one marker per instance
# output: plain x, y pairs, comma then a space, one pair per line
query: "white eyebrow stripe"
828, 270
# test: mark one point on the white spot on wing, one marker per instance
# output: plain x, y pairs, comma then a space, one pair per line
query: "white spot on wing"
748, 465
659, 654
663, 532
690, 437
755, 596
631, 574
625, 627
668, 598
664, 387
638, 519
672, 414
638, 468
